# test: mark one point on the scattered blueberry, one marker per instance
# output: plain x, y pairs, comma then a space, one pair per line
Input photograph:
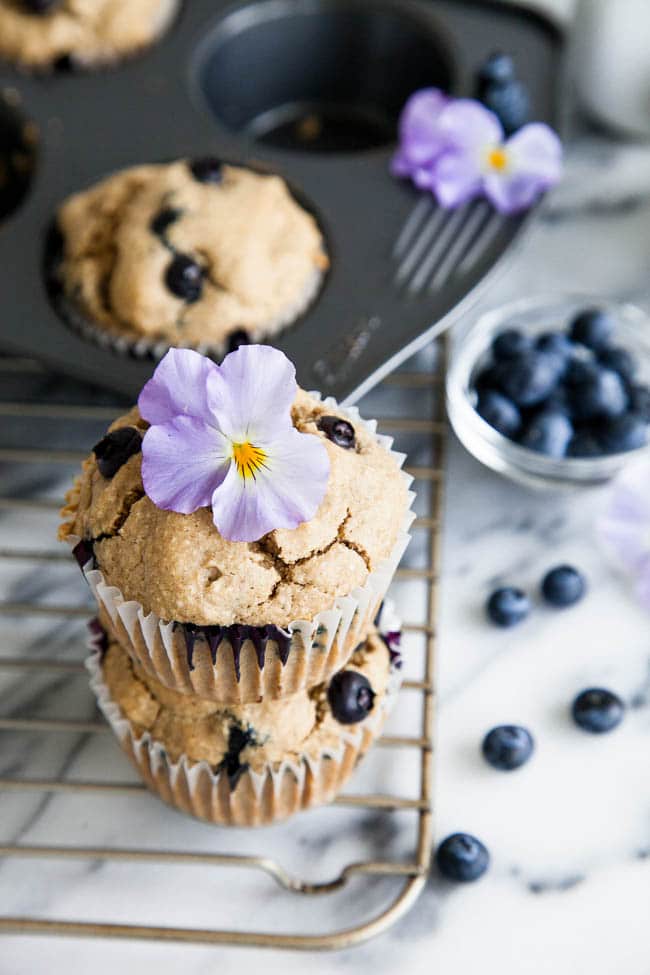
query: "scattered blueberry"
597, 710
163, 221
462, 857
337, 430
115, 449
497, 69
184, 278
619, 360
238, 338
549, 432
508, 606
592, 327
499, 412
510, 344
510, 103
528, 379
507, 747
600, 394
621, 433
207, 170
563, 586
584, 444
350, 696
640, 401
39, 6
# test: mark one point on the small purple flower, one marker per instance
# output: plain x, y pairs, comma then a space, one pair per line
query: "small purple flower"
468, 155
222, 436
625, 525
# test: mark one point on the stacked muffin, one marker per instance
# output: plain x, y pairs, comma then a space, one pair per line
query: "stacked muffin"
243, 673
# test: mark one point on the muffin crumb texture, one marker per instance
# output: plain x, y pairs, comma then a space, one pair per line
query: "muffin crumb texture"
189, 253
236, 738
179, 566
40, 35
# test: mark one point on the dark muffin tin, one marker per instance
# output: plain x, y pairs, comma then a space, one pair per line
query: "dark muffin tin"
311, 89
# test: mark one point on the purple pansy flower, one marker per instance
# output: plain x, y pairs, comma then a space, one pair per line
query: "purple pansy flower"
625, 525
222, 436
457, 150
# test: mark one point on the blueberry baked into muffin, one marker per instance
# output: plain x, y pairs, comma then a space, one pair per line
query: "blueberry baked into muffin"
252, 764
41, 34
221, 571
193, 253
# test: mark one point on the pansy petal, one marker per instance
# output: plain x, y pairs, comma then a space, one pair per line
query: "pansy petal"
456, 178
536, 150
512, 192
287, 491
178, 386
250, 395
466, 124
419, 134
183, 462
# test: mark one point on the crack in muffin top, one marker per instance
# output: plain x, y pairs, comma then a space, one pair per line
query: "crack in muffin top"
179, 567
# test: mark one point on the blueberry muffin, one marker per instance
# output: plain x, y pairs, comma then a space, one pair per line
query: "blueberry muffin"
238, 621
252, 764
192, 253
40, 34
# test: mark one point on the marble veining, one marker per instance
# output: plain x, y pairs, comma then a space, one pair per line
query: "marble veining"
569, 886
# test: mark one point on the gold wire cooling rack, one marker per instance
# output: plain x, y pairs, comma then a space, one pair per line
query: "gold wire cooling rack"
408, 872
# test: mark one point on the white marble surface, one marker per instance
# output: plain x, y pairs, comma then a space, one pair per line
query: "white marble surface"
569, 886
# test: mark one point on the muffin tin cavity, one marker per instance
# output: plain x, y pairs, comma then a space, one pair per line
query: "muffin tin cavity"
18, 141
324, 77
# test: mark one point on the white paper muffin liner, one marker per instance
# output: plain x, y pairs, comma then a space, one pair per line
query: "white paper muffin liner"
278, 791
317, 648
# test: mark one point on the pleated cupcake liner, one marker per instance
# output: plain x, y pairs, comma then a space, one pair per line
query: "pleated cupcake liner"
274, 793
242, 664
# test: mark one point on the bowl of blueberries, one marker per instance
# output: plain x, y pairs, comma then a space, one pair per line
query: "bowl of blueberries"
553, 391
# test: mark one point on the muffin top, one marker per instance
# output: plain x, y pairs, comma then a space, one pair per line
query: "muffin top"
235, 738
180, 567
38, 33
189, 252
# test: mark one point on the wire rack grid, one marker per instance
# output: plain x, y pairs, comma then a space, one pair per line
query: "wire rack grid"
53, 410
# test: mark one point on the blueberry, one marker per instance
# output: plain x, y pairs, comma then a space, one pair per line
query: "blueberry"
549, 432
592, 327
510, 343
600, 394
497, 69
510, 103
163, 221
499, 412
39, 6
184, 278
207, 170
528, 379
619, 360
238, 338
597, 710
337, 430
115, 449
563, 586
558, 402
350, 696
584, 444
487, 378
508, 606
507, 747
640, 401
622, 433
580, 370
462, 857
558, 346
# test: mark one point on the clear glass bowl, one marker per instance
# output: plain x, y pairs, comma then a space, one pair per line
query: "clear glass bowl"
470, 353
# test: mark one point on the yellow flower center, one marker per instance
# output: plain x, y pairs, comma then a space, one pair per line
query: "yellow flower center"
248, 459
497, 158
